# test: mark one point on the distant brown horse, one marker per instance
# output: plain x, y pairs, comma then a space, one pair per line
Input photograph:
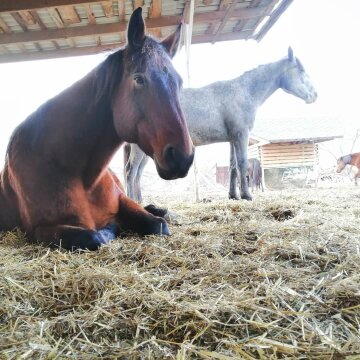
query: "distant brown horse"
56, 185
254, 174
351, 159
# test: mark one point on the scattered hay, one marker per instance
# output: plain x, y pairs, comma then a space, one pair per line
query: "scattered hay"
236, 280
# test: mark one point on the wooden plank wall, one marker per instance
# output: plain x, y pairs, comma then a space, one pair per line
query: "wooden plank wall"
282, 155
254, 152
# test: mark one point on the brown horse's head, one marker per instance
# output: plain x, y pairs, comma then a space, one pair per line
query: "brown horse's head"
342, 162
146, 107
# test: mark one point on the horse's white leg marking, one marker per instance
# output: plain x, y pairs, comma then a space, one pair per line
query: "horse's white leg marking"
233, 174
241, 145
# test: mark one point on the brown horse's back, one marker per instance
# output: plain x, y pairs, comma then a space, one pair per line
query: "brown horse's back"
356, 157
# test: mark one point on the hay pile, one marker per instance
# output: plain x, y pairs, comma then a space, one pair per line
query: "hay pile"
272, 279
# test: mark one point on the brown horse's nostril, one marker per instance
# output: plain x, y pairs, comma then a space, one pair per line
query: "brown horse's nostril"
173, 157
178, 164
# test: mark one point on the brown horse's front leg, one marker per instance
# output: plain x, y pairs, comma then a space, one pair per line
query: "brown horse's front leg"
357, 176
133, 217
74, 237
156, 211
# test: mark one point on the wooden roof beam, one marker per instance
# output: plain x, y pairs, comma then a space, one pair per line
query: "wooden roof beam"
274, 16
91, 50
19, 5
229, 11
4, 27
154, 13
92, 30
21, 22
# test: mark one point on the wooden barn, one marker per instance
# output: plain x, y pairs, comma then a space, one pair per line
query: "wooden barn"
290, 143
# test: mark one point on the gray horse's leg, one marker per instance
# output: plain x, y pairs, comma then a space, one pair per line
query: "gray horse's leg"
140, 169
233, 174
131, 168
241, 145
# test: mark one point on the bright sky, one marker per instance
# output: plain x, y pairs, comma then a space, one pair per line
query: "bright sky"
324, 35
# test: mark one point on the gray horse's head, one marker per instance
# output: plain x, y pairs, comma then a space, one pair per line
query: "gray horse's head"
296, 81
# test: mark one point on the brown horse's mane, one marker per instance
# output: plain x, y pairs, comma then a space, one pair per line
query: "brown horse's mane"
107, 76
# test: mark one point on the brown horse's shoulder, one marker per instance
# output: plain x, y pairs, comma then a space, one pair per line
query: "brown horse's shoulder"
9, 213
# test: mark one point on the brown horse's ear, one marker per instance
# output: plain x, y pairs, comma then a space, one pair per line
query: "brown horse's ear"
136, 29
172, 41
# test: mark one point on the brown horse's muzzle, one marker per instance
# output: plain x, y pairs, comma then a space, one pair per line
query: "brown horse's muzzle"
177, 163
340, 167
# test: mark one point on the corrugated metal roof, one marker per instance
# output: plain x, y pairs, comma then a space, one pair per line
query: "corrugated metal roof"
38, 29
297, 129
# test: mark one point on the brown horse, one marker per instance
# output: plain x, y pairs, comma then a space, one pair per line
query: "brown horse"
351, 159
56, 185
254, 175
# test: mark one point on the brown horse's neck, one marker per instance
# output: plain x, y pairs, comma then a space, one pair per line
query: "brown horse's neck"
76, 127
347, 159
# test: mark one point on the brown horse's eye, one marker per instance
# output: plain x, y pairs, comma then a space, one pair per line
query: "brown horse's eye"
139, 80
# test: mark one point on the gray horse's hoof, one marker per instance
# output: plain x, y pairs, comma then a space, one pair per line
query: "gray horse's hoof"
234, 197
245, 196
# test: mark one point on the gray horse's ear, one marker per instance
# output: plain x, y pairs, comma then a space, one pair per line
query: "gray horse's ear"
136, 29
290, 54
171, 42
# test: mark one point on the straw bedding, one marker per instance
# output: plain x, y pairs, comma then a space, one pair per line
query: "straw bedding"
276, 278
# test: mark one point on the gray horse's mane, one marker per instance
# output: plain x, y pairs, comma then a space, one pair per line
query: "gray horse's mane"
264, 66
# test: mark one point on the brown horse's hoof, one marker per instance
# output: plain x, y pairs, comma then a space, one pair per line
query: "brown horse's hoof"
152, 209
157, 226
82, 240
164, 229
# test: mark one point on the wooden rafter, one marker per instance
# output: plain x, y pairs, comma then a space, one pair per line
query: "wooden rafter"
241, 23
137, 3
90, 14
3, 50
68, 15
186, 12
90, 50
154, 13
267, 11
108, 8
225, 19
19, 20
4, 26
121, 9
91, 30
38, 20
27, 17
55, 15
224, 4
18, 5
273, 18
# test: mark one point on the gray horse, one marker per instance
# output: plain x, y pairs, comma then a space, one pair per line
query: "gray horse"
225, 111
